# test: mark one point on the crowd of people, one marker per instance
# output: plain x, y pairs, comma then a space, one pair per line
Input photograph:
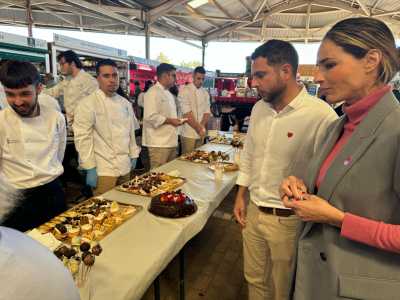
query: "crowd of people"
317, 194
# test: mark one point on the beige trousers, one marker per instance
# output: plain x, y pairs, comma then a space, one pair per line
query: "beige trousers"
106, 183
268, 248
189, 144
159, 156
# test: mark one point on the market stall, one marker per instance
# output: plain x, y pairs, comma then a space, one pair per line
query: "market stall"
22, 48
90, 54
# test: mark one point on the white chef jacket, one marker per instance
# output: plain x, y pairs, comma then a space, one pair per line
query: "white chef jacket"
104, 134
197, 101
28, 270
31, 149
159, 104
281, 144
74, 90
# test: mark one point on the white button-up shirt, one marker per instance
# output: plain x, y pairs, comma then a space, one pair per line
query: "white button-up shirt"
28, 270
31, 149
159, 104
73, 89
281, 144
104, 134
197, 101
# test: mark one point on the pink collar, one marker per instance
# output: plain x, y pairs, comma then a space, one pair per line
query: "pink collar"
357, 111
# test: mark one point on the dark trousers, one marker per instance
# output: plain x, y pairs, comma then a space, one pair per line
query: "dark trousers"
37, 206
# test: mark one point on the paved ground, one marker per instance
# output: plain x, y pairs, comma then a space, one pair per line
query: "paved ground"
214, 262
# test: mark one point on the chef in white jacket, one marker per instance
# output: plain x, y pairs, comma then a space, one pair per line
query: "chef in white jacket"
77, 85
104, 132
195, 104
32, 145
160, 120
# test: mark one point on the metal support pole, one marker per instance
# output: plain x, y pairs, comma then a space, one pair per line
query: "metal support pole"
182, 274
147, 36
29, 19
203, 52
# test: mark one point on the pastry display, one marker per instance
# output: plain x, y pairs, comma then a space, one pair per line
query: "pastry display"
93, 219
79, 258
204, 157
172, 205
228, 166
151, 184
220, 139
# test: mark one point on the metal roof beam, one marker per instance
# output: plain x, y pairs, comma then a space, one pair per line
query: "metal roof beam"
221, 9
103, 11
260, 9
308, 22
184, 26
363, 7
282, 6
56, 15
337, 5
247, 8
196, 13
203, 17
164, 8
387, 13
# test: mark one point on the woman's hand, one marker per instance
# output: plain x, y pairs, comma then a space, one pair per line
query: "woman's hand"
315, 209
292, 187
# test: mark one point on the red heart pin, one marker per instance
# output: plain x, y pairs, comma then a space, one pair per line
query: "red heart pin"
290, 134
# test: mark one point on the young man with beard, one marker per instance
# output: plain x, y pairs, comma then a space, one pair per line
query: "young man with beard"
32, 145
77, 85
285, 128
195, 103
104, 132
160, 120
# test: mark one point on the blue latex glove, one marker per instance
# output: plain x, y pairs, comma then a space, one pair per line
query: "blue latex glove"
91, 177
133, 163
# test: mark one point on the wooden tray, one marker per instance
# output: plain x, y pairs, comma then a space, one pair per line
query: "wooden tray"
171, 183
100, 227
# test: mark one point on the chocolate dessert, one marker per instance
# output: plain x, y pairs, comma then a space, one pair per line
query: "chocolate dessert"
172, 205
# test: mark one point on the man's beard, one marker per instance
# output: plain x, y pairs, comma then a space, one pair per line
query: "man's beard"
27, 113
275, 95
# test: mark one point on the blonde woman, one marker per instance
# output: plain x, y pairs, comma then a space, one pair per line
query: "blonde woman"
349, 248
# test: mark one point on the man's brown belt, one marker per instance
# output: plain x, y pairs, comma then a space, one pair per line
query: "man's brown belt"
280, 212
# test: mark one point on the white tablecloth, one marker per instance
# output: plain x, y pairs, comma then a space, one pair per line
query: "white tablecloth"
136, 252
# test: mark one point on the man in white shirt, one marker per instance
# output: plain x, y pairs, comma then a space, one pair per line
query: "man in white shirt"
160, 121
285, 128
32, 145
28, 270
104, 129
195, 103
77, 85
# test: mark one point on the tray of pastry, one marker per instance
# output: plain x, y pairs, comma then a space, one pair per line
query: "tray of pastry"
220, 139
151, 184
92, 220
204, 157
228, 166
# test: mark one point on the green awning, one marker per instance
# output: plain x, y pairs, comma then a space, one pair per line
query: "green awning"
22, 55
